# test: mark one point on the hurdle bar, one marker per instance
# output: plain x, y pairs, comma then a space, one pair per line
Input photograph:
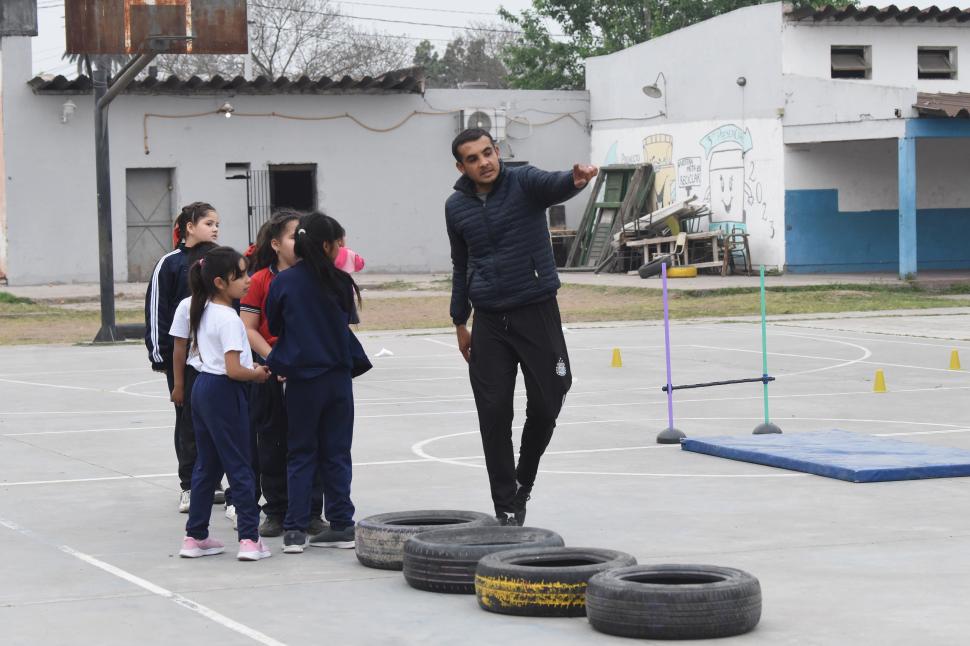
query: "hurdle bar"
765, 379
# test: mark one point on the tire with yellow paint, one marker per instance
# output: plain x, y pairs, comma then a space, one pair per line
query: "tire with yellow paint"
674, 602
380, 539
542, 582
444, 560
682, 272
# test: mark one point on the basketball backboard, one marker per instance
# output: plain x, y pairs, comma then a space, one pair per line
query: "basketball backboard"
127, 26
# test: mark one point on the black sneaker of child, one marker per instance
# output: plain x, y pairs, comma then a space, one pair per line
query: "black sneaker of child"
272, 526
294, 541
339, 538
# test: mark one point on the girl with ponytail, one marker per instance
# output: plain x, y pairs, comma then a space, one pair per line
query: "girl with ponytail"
220, 407
309, 309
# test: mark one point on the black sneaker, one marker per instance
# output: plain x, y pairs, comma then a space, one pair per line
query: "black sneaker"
272, 526
522, 496
294, 541
219, 497
339, 538
317, 526
506, 520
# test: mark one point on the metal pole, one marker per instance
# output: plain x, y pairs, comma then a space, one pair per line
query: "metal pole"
103, 95
669, 435
767, 427
108, 331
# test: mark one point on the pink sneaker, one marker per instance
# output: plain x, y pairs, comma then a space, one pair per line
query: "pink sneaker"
192, 548
253, 550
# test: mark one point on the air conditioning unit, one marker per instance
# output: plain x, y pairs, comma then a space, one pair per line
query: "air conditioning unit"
490, 119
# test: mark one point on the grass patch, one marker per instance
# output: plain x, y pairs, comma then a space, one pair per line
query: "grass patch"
394, 285
6, 298
23, 321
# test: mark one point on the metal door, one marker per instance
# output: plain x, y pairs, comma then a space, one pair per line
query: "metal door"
148, 193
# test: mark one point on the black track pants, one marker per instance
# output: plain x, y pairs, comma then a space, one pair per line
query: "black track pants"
530, 337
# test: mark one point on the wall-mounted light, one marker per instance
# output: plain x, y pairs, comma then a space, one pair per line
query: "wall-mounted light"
654, 92
741, 81
67, 110
227, 110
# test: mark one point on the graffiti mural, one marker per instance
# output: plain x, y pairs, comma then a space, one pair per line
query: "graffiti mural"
720, 170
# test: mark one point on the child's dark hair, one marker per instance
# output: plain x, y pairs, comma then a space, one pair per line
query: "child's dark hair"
312, 231
193, 254
190, 213
272, 229
221, 262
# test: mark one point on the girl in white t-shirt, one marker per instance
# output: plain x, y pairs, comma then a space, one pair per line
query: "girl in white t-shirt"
220, 410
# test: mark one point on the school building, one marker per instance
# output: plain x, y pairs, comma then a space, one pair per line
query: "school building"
836, 138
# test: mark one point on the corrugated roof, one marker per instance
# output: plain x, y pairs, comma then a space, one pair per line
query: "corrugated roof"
406, 81
890, 13
940, 104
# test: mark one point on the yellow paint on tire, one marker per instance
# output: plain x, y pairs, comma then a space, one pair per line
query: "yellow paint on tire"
682, 272
503, 592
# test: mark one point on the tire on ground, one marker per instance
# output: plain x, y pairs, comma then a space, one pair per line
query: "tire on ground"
380, 539
444, 560
542, 581
682, 272
652, 268
674, 602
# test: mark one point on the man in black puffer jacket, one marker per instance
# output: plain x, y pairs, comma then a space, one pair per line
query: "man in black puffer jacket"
504, 269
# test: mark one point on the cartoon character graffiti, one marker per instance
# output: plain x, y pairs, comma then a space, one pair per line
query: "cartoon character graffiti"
658, 150
731, 193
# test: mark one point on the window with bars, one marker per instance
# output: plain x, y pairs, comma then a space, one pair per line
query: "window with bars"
937, 62
851, 61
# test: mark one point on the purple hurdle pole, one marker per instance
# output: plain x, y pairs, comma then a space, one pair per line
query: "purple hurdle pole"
669, 435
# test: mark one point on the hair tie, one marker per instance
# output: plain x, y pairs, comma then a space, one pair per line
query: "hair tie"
201, 262
303, 231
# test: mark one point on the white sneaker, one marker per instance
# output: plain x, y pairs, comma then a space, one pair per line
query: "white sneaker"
184, 499
231, 514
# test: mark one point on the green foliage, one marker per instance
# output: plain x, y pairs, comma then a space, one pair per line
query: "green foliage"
9, 299
538, 60
473, 56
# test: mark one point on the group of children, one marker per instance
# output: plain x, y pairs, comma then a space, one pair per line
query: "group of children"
259, 358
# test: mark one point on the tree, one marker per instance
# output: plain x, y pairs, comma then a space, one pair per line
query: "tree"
474, 55
538, 60
296, 38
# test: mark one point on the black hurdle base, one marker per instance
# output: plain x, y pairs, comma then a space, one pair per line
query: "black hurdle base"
766, 429
671, 436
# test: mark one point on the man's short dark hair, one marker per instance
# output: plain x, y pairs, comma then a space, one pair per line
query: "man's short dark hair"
472, 134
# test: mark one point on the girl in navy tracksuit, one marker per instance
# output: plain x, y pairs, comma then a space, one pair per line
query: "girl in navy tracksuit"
197, 223
220, 407
309, 309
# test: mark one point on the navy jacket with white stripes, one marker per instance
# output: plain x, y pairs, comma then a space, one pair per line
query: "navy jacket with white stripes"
501, 253
168, 286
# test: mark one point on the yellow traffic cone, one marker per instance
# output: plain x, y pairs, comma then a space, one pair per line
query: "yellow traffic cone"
617, 361
880, 385
954, 360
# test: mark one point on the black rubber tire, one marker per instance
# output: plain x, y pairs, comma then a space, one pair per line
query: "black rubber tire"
444, 560
653, 268
380, 539
542, 581
674, 602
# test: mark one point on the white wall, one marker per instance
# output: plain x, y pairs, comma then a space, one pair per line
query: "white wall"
701, 64
742, 156
387, 189
3, 184
807, 50
864, 173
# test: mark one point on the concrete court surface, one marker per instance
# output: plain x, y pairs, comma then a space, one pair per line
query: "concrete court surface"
89, 530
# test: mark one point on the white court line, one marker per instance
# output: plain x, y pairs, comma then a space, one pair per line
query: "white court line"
85, 412
453, 346
34, 383
418, 449
70, 372
123, 390
145, 584
955, 430
73, 480
86, 430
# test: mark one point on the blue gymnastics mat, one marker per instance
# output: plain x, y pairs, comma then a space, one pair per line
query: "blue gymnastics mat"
839, 454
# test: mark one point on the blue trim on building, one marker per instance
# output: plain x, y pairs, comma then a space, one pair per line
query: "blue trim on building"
906, 187
942, 127
820, 238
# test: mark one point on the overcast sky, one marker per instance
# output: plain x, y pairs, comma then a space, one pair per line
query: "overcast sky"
454, 14
49, 44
